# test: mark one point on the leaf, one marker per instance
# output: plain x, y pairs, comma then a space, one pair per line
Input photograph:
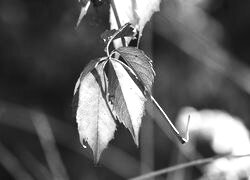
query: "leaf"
140, 63
107, 34
83, 12
136, 12
95, 121
127, 99
126, 31
90, 66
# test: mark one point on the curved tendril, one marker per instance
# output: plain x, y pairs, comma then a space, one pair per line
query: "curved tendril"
113, 37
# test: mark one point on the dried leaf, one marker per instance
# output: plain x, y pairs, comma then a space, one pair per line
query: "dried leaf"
95, 121
127, 99
140, 63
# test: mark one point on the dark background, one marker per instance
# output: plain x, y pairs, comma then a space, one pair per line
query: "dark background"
42, 55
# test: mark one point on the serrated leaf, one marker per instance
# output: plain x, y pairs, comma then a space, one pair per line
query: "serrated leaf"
95, 121
140, 63
127, 99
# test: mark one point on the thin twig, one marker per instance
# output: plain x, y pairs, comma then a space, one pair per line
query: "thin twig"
172, 127
186, 165
117, 20
48, 143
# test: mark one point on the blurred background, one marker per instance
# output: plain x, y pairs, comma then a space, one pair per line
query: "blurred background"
201, 51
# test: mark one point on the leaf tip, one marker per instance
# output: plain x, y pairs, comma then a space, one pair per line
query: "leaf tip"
97, 158
82, 141
136, 139
83, 12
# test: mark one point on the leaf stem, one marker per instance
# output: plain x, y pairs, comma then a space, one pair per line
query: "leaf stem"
117, 20
185, 165
112, 38
172, 127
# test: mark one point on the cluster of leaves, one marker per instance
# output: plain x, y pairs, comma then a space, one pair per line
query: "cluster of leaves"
111, 88
116, 87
